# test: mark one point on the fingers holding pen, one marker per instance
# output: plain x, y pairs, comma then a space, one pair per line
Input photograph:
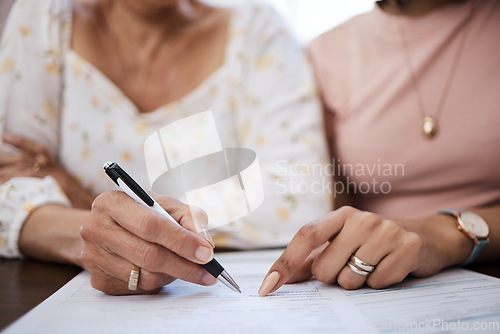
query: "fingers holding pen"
110, 273
110, 253
153, 227
188, 216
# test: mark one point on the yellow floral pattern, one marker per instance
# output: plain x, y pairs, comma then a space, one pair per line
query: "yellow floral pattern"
78, 114
7, 65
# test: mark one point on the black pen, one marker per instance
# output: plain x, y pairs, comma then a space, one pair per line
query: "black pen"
131, 188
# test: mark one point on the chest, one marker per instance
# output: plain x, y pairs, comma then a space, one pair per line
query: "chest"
379, 117
157, 73
99, 123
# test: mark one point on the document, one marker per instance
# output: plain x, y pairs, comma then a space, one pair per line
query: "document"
183, 307
456, 297
453, 301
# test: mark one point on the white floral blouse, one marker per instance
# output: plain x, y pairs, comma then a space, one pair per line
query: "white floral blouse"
262, 97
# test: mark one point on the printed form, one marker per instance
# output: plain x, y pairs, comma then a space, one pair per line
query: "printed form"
454, 297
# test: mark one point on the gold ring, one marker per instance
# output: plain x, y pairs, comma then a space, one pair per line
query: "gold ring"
361, 264
358, 271
134, 278
40, 162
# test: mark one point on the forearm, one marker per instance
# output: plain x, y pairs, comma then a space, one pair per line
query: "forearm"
52, 233
394, 248
447, 245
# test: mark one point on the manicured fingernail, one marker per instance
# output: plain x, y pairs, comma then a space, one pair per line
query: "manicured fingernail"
209, 279
204, 254
269, 283
207, 237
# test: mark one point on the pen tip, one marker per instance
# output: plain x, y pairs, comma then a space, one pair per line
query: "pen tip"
239, 290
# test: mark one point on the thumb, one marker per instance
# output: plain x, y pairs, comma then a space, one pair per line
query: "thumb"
204, 234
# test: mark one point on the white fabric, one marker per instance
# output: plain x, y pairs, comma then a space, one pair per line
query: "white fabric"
262, 98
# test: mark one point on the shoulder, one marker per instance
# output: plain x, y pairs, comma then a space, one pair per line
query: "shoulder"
37, 21
257, 18
259, 11
331, 43
39, 10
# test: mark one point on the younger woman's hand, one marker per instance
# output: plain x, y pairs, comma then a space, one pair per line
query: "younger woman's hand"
391, 248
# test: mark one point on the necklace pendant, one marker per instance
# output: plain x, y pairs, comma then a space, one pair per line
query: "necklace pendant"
429, 126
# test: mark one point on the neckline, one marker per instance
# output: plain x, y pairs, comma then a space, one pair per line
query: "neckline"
131, 106
423, 25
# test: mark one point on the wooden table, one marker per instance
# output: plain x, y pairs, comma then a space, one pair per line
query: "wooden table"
25, 284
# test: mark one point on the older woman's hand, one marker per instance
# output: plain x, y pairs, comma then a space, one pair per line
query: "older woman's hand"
33, 160
392, 248
122, 233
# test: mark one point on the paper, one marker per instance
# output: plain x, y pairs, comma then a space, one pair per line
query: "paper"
455, 296
187, 308
453, 301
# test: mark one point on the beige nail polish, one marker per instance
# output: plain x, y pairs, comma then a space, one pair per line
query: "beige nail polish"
269, 283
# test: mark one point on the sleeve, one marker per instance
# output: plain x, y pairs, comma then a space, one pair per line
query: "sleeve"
280, 119
30, 86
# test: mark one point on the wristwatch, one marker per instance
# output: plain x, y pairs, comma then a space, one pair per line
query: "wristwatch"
474, 227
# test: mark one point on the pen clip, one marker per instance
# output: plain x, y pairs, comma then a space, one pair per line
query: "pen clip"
115, 172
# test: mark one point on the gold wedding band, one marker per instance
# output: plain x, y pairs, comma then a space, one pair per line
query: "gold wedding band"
134, 278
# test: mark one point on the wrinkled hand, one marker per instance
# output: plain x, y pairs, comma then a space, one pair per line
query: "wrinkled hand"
33, 160
396, 248
122, 232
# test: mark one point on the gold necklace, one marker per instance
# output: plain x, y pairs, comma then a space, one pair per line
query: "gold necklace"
430, 123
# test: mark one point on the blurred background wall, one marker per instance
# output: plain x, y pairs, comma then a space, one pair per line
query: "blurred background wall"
307, 18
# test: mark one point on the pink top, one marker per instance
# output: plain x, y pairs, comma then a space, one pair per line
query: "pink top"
377, 123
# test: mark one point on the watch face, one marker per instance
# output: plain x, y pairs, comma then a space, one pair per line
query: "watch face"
474, 224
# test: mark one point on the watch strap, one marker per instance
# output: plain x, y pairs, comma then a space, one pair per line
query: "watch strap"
481, 243
476, 251
450, 212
